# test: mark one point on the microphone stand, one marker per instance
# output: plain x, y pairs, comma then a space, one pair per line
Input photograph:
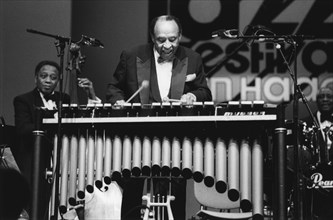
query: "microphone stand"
246, 39
280, 210
60, 46
298, 182
38, 135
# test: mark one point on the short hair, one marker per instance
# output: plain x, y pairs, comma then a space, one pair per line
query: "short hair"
46, 62
166, 18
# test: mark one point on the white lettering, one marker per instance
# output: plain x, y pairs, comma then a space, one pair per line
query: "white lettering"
256, 89
228, 113
327, 81
274, 89
317, 179
244, 113
216, 86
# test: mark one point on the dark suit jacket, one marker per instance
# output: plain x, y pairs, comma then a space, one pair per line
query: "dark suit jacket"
25, 114
138, 65
25, 119
134, 67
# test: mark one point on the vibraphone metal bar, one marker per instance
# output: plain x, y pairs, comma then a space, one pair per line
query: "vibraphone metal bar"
209, 148
160, 112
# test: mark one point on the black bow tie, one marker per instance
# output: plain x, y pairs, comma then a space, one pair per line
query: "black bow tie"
162, 60
50, 97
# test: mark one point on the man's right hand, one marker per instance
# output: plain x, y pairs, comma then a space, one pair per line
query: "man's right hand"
119, 103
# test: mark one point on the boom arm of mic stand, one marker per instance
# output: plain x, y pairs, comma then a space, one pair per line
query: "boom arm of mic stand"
225, 59
286, 37
60, 38
245, 40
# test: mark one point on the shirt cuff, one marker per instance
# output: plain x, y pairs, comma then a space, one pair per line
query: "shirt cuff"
94, 101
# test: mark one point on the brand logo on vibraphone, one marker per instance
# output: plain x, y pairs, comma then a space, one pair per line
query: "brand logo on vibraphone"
318, 181
244, 113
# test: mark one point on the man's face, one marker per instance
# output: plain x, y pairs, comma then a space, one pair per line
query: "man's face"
47, 79
325, 100
166, 38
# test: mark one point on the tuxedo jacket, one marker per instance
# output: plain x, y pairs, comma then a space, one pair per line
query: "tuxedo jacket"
134, 67
25, 121
25, 117
138, 64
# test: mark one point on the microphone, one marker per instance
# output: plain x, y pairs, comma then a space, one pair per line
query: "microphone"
231, 33
263, 39
144, 85
89, 41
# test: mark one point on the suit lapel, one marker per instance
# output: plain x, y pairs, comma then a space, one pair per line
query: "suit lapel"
37, 99
178, 78
155, 92
143, 73
146, 70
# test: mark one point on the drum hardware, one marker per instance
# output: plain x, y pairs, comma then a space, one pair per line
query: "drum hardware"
290, 204
330, 132
159, 203
310, 142
316, 181
49, 176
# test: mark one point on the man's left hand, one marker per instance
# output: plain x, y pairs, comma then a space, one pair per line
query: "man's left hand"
87, 85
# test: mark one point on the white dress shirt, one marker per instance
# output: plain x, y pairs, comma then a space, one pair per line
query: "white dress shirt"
52, 105
324, 125
164, 75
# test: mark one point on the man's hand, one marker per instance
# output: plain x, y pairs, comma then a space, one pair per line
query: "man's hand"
88, 87
188, 98
119, 103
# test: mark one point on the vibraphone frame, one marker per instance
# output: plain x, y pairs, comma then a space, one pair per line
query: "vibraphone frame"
211, 124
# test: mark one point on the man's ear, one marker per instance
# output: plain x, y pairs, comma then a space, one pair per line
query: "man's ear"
180, 37
152, 38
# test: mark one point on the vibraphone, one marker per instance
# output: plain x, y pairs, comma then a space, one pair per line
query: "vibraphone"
210, 143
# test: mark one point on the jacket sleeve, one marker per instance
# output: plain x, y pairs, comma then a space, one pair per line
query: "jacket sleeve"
115, 89
199, 86
24, 120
